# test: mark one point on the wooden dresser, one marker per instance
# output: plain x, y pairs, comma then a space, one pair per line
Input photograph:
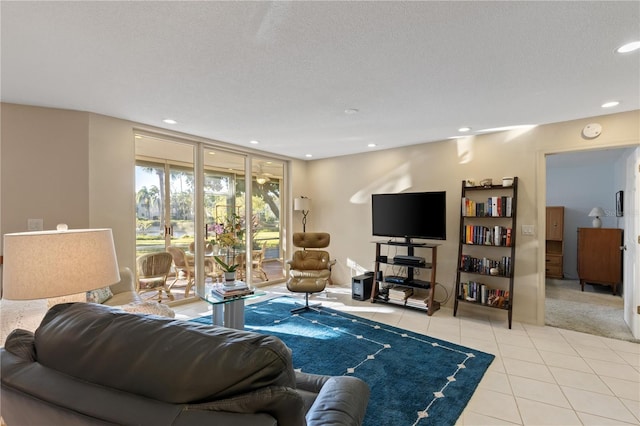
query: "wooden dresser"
600, 256
554, 246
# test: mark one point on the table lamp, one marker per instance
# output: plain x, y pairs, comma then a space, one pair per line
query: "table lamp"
302, 204
45, 264
596, 212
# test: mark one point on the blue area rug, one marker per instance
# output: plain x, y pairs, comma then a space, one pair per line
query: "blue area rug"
414, 379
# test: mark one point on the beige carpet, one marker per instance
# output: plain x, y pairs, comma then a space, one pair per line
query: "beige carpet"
594, 311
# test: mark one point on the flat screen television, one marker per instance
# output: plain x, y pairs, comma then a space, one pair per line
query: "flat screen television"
408, 215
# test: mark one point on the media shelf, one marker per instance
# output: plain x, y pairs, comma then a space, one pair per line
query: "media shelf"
382, 295
487, 247
405, 244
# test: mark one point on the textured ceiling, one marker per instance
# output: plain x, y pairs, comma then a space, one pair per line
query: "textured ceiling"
283, 73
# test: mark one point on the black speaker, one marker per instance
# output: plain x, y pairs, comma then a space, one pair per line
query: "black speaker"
361, 287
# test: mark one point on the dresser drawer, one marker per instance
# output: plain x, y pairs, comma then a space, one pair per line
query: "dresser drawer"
553, 271
553, 261
553, 266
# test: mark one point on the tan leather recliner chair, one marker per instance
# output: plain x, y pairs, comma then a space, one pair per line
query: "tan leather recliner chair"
309, 269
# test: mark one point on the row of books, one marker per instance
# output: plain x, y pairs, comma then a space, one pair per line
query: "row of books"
484, 265
488, 236
494, 207
406, 295
480, 293
417, 301
399, 293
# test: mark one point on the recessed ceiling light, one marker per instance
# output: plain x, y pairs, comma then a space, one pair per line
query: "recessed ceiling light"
464, 129
138, 137
372, 145
351, 111
308, 155
629, 47
254, 142
170, 121
610, 104
212, 153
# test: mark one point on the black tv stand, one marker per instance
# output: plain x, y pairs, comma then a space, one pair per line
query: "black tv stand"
378, 294
406, 243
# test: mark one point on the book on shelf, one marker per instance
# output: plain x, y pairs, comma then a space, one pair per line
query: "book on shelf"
231, 294
495, 207
484, 265
400, 293
477, 292
234, 285
488, 236
417, 301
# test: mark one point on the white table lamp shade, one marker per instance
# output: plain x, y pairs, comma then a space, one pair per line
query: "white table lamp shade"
596, 212
39, 265
302, 204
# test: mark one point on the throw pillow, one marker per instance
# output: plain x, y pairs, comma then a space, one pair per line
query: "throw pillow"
99, 295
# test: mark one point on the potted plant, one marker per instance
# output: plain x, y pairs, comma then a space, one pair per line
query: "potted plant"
229, 270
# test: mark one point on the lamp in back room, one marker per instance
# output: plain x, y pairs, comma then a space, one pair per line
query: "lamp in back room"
302, 204
46, 264
596, 212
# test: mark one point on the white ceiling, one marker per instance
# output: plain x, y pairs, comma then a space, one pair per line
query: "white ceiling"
283, 73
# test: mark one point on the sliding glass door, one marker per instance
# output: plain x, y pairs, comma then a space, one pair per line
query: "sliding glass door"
266, 189
181, 186
165, 214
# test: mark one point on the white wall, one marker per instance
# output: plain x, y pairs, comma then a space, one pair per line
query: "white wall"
344, 209
97, 153
341, 187
112, 183
45, 166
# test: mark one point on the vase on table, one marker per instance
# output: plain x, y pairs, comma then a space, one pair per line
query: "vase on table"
230, 276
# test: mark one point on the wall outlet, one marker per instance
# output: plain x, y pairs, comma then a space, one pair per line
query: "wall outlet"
528, 229
34, 224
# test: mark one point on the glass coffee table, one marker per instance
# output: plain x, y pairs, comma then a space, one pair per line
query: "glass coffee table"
228, 312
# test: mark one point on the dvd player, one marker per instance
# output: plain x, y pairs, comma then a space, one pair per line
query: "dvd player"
395, 279
409, 260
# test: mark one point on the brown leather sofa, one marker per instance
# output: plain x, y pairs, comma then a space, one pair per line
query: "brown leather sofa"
90, 364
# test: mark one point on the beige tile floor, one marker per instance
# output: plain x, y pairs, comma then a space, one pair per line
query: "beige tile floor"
540, 376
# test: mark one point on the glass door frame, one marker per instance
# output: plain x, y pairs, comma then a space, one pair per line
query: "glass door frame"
199, 169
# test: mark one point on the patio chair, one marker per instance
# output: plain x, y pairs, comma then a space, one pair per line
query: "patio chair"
257, 258
152, 270
182, 264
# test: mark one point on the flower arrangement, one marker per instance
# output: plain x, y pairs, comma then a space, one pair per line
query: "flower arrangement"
229, 233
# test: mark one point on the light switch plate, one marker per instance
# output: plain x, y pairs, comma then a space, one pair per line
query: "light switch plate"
528, 229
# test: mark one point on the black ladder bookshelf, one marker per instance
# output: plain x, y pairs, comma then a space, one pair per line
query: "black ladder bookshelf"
487, 247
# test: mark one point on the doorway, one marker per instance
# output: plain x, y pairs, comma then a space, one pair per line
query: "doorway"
580, 181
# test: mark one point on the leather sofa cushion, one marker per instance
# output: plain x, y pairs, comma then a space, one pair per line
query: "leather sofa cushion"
198, 363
